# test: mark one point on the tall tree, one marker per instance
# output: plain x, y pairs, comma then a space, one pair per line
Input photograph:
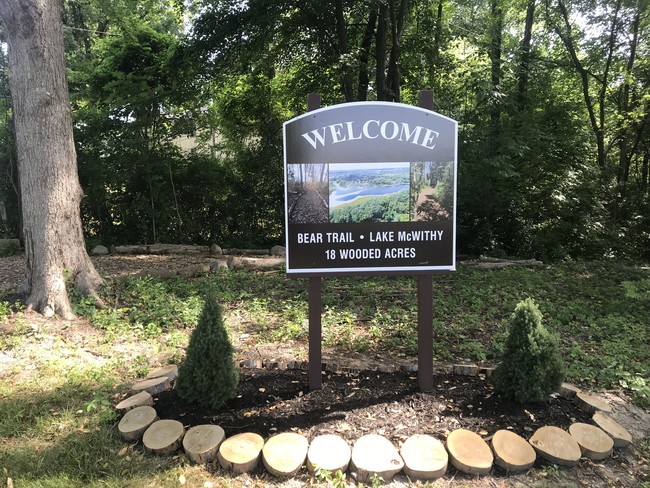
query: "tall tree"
54, 244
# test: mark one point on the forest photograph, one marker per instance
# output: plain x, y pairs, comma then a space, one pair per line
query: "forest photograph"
369, 192
432, 191
307, 187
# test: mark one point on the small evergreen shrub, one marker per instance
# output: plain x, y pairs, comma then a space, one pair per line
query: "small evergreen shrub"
208, 376
531, 366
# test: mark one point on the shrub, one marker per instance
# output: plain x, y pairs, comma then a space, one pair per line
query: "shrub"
531, 367
208, 376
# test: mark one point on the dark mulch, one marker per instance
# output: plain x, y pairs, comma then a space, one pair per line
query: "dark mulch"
353, 405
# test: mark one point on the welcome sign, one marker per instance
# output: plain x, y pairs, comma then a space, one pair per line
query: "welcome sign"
370, 187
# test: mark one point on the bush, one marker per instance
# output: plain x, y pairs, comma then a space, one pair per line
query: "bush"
531, 367
208, 376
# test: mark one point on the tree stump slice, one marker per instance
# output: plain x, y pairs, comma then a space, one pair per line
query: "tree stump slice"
153, 386
594, 443
569, 391
284, 454
170, 371
135, 422
163, 436
512, 452
425, 457
374, 455
556, 446
240, 453
201, 443
591, 403
619, 434
329, 452
469, 453
141, 399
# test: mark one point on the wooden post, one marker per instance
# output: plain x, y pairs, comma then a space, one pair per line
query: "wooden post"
315, 303
425, 302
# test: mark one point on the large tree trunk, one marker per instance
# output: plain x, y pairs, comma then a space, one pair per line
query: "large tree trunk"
381, 49
49, 184
524, 62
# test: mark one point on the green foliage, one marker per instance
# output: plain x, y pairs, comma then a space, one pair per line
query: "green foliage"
335, 480
531, 367
208, 376
390, 208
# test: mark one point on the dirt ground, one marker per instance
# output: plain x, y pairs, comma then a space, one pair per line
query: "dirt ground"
364, 401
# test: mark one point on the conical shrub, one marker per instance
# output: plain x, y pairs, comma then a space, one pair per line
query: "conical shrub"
531, 366
208, 376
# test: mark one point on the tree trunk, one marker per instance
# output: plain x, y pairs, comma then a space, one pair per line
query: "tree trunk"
524, 63
397, 26
495, 71
364, 78
49, 184
344, 50
380, 46
437, 39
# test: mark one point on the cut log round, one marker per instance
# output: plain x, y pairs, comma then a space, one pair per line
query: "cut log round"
163, 436
284, 454
138, 400
329, 452
594, 443
153, 386
556, 446
240, 453
591, 403
235, 262
512, 452
569, 391
425, 457
201, 443
170, 371
619, 434
135, 422
469, 453
374, 455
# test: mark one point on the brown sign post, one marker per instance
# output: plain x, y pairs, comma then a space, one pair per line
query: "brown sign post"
370, 189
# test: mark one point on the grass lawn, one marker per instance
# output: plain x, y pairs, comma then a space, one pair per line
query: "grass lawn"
59, 380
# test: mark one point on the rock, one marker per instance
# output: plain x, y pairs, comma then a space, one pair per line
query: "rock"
9, 245
374, 455
278, 251
469, 453
425, 458
556, 446
163, 436
215, 250
591, 403
466, 369
594, 443
240, 453
135, 422
569, 391
152, 385
201, 443
619, 434
170, 371
99, 251
217, 265
139, 400
512, 452
284, 454
329, 452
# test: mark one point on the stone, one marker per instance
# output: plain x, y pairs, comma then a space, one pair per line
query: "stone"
374, 455
217, 265
556, 446
9, 245
215, 250
99, 251
241, 453
619, 434
163, 436
512, 452
278, 251
569, 391
141, 399
329, 452
135, 422
284, 454
594, 443
469, 453
201, 443
466, 369
591, 403
425, 457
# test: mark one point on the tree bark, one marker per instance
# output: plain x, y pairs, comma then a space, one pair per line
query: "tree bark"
495, 71
49, 184
380, 46
524, 63
366, 43
397, 27
344, 51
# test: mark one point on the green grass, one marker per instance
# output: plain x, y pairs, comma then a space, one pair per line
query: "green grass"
58, 430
